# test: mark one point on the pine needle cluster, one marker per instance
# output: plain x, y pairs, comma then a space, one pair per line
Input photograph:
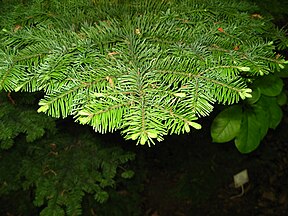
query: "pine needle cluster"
147, 68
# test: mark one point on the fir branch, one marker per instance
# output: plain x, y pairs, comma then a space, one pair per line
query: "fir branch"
137, 60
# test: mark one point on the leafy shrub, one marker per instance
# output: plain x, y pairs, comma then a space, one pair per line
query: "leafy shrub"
248, 122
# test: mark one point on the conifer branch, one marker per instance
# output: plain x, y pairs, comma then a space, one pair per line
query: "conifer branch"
140, 58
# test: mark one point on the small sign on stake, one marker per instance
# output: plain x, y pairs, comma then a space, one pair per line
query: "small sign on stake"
240, 179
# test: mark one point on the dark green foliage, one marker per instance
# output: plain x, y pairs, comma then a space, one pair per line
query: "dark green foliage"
64, 169
59, 168
147, 68
17, 119
248, 122
277, 8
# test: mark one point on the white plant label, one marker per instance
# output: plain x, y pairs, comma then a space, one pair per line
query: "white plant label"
241, 178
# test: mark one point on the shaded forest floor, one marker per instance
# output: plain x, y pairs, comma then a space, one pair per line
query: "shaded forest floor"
190, 175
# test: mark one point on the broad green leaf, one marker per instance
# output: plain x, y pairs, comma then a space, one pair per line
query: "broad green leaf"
262, 117
249, 137
282, 98
226, 125
274, 111
276, 115
253, 128
270, 85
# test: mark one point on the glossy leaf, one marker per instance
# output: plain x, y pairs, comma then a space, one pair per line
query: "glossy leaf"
270, 85
254, 126
282, 98
249, 137
273, 109
262, 117
226, 125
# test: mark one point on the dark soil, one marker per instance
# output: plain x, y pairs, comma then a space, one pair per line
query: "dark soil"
190, 175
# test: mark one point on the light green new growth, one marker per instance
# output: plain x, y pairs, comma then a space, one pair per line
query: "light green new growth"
147, 68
